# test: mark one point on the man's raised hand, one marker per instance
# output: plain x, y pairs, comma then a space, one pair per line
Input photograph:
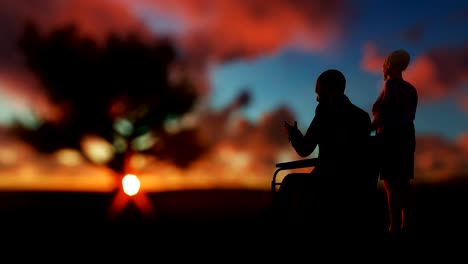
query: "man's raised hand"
288, 127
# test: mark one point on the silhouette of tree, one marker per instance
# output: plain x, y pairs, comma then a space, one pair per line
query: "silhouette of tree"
119, 89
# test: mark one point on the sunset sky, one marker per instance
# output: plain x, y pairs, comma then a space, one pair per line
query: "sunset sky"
275, 49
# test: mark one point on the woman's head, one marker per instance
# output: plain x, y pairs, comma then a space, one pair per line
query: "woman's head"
395, 64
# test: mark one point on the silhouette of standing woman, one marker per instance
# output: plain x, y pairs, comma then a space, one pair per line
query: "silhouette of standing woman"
394, 112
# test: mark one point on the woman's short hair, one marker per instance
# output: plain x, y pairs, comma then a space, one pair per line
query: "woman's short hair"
398, 60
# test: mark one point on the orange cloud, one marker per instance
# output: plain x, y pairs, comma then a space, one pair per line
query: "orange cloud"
438, 73
242, 154
253, 145
231, 163
438, 159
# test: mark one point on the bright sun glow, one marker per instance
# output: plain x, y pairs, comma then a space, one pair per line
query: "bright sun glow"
130, 184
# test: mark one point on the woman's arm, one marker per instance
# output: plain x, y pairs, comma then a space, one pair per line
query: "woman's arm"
381, 106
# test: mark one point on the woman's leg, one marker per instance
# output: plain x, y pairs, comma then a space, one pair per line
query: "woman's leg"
399, 203
406, 203
394, 205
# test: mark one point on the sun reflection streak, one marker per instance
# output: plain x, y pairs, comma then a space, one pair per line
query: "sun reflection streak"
129, 191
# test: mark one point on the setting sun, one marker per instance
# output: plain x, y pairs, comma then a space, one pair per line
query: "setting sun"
130, 184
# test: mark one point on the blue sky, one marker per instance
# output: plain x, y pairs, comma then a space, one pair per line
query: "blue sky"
276, 49
288, 77
271, 63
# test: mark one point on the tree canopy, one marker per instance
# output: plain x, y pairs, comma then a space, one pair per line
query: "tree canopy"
118, 89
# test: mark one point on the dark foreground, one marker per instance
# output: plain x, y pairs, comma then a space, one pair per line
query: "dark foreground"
210, 221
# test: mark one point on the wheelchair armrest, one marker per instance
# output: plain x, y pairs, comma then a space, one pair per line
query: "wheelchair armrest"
297, 164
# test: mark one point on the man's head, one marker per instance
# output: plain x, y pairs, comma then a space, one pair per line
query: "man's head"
330, 86
395, 64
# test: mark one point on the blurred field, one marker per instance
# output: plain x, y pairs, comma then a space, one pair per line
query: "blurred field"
203, 217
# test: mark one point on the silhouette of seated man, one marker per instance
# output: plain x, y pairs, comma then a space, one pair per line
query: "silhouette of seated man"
334, 193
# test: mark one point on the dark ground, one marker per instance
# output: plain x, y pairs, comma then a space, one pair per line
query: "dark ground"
228, 220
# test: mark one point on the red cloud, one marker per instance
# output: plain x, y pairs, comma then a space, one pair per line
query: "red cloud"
92, 17
462, 141
438, 73
371, 60
231, 29
463, 101
210, 30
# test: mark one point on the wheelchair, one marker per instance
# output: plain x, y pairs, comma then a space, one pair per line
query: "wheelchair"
372, 173
373, 170
372, 220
